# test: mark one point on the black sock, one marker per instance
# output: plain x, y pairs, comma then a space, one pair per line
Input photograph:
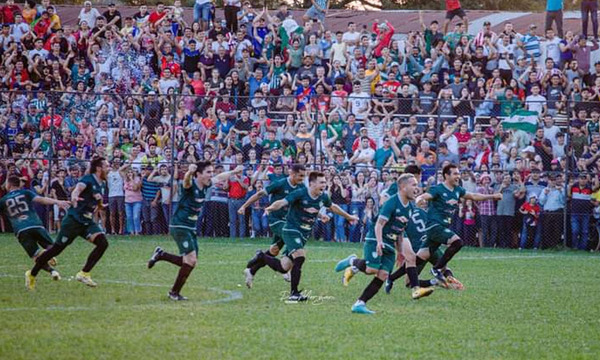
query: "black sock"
296, 273
173, 259
448, 254
43, 259
420, 264
413, 277
182, 275
274, 263
425, 283
397, 274
47, 268
101, 246
371, 289
360, 264
260, 262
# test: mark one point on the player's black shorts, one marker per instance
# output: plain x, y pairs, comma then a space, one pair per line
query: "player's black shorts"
456, 12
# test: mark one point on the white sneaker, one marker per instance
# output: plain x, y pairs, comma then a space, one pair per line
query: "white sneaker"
287, 277
85, 278
55, 275
249, 278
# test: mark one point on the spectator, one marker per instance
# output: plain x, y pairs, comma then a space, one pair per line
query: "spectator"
116, 197
132, 187
554, 13
531, 214
580, 193
552, 200
506, 210
238, 188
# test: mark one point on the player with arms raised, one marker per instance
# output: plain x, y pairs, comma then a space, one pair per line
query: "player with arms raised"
381, 244
25, 222
196, 182
278, 190
443, 201
85, 199
304, 205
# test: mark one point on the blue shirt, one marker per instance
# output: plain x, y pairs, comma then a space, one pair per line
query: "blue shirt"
554, 5
554, 200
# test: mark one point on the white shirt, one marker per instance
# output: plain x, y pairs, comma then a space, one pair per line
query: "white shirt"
550, 134
18, 30
535, 103
89, 17
552, 50
360, 102
115, 184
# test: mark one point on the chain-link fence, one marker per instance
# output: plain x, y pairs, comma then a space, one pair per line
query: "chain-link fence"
546, 166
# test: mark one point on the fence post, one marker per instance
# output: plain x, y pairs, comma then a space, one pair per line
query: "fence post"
172, 171
50, 158
566, 175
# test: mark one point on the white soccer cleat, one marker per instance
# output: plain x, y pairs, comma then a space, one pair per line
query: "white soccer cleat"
86, 279
249, 278
55, 275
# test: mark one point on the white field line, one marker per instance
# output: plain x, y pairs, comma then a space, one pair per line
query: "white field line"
231, 296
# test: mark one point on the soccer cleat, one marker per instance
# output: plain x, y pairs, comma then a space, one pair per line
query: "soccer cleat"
254, 260
388, 286
345, 263
348, 274
296, 298
442, 281
55, 275
176, 297
287, 276
154, 258
29, 280
85, 278
361, 309
249, 278
454, 283
420, 292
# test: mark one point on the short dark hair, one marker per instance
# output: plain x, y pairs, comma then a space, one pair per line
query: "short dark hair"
313, 176
14, 181
298, 168
96, 163
447, 169
202, 165
413, 169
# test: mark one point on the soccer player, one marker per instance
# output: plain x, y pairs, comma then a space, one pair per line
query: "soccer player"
304, 205
278, 190
382, 242
196, 182
443, 202
26, 224
85, 199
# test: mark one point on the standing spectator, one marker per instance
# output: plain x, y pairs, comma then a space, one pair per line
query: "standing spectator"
531, 215
132, 188
150, 208
468, 215
339, 196
317, 11
238, 187
116, 197
217, 207
580, 193
202, 10
554, 12
231, 9
487, 212
163, 179
589, 8
58, 191
88, 14
454, 9
506, 210
357, 204
552, 200
260, 223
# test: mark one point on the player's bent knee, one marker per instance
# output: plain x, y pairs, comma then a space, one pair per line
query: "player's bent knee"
286, 263
190, 259
100, 241
383, 275
456, 242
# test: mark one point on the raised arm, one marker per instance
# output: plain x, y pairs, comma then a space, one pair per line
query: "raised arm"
254, 198
225, 175
276, 206
482, 197
339, 211
49, 201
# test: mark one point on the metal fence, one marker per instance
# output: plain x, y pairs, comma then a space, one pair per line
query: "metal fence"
48, 139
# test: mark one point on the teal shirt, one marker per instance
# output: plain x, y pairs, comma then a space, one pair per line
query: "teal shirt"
444, 203
303, 210
17, 207
279, 190
397, 215
381, 157
91, 196
189, 207
416, 231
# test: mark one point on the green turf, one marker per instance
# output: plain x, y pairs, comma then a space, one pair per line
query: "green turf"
517, 305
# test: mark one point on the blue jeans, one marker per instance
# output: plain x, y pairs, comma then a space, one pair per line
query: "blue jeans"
323, 230
165, 209
340, 225
489, 230
358, 209
580, 225
526, 233
237, 223
260, 223
150, 218
133, 212
202, 12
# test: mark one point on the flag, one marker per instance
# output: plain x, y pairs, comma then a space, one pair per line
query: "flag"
287, 28
522, 120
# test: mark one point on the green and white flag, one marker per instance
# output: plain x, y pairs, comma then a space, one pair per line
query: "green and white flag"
522, 120
287, 28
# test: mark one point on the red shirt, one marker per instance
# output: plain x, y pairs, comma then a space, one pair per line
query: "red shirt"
236, 191
155, 16
8, 13
452, 5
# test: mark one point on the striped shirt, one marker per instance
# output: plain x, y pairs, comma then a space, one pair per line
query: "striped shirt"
149, 189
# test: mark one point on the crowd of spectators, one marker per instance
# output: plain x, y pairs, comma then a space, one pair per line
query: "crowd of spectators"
152, 93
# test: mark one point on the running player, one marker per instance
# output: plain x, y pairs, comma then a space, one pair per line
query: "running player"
278, 190
382, 242
26, 224
184, 221
443, 202
304, 206
85, 199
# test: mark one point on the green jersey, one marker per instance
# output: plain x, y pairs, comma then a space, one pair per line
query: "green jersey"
278, 190
91, 196
17, 207
189, 207
443, 204
393, 189
303, 210
397, 215
416, 230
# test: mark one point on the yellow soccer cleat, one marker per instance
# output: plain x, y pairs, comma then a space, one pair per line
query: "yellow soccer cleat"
348, 274
453, 283
29, 280
420, 292
85, 278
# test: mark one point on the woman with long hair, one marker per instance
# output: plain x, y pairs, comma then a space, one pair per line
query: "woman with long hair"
133, 199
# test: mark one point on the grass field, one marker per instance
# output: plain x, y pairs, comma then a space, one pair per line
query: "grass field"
517, 305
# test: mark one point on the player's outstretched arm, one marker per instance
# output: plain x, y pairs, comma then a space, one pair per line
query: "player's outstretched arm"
225, 175
423, 198
49, 201
254, 198
339, 211
482, 197
276, 206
